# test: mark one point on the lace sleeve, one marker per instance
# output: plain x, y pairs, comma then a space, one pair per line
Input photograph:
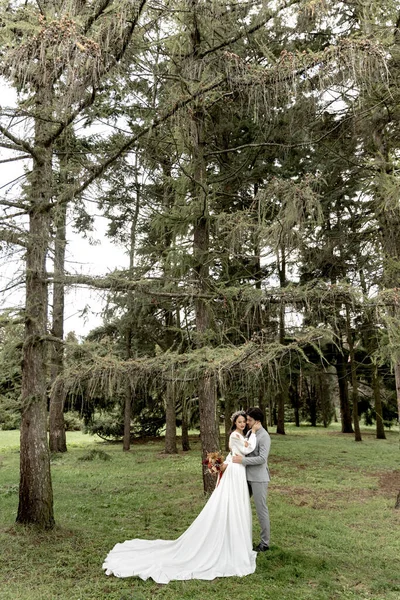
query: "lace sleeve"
252, 441
240, 445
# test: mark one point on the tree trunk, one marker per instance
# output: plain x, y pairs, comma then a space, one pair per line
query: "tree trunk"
283, 392
126, 445
129, 396
370, 343
209, 435
280, 425
312, 404
345, 413
57, 436
170, 414
228, 424
354, 382
397, 380
380, 430
271, 410
185, 425
298, 399
35, 489
170, 400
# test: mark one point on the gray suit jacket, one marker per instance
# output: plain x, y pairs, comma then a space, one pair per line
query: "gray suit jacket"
256, 462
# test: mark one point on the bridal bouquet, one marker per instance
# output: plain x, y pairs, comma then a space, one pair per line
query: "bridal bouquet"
213, 462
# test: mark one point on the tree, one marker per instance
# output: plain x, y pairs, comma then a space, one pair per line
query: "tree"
58, 65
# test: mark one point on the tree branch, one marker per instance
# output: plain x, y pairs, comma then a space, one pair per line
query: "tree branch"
90, 98
98, 170
19, 143
10, 204
244, 33
9, 237
10, 146
7, 160
93, 18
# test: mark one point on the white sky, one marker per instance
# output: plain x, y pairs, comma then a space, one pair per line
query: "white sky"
95, 255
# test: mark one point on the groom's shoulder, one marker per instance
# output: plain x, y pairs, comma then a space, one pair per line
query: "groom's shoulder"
264, 432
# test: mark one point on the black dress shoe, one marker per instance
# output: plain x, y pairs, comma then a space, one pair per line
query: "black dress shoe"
261, 547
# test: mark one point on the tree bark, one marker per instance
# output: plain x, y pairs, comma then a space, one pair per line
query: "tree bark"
380, 430
397, 379
35, 489
345, 413
228, 424
312, 402
280, 425
126, 444
354, 382
185, 425
283, 392
170, 414
170, 399
271, 411
209, 434
57, 436
129, 396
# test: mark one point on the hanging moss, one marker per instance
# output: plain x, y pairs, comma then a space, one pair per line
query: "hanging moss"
249, 363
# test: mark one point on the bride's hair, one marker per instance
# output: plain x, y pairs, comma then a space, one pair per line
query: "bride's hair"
238, 413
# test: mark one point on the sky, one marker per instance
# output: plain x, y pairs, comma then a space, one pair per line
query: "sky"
94, 255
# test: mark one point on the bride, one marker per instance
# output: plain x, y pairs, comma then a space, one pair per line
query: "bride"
217, 544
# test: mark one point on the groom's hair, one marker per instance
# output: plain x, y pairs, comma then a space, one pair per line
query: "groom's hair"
256, 414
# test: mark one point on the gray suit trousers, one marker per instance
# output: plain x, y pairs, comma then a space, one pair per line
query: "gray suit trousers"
259, 492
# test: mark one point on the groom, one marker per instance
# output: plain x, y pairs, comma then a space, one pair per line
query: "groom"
257, 473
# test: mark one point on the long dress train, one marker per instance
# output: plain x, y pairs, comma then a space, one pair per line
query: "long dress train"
217, 544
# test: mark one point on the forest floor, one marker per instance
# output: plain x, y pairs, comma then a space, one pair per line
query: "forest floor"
335, 531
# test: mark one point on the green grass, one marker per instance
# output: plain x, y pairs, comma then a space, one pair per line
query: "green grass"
335, 532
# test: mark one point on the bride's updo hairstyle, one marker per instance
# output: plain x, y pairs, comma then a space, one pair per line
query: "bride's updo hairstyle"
238, 413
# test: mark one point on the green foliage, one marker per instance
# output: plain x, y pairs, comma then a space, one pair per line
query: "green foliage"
72, 421
11, 331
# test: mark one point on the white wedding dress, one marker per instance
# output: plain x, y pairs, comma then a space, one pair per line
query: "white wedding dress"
217, 544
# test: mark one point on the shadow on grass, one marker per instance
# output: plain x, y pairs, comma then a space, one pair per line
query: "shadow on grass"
280, 564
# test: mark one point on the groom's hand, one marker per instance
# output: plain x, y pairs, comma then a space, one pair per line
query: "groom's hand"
237, 459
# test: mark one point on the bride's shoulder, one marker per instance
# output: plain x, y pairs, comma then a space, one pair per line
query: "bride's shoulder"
235, 435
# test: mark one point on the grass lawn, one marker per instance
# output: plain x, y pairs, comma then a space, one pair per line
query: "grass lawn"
335, 532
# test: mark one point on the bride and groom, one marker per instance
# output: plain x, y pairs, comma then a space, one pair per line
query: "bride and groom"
219, 541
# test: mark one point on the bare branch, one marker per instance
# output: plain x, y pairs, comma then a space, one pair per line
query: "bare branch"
10, 146
13, 181
7, 160
10, 204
